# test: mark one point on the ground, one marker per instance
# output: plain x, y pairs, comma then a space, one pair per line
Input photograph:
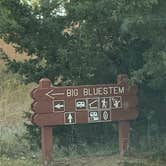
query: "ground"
114, 160
11, 52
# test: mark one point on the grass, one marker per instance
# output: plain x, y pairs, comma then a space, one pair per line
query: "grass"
114, 160
14, 98
14, 101
15, 150
6, 161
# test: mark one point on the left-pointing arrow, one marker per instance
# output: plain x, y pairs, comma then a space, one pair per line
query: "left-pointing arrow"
59, 106
51, 94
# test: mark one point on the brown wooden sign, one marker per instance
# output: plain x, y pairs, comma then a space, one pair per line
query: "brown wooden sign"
84, 104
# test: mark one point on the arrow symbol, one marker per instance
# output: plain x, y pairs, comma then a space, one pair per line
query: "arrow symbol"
59, 106
51, 94
70, 118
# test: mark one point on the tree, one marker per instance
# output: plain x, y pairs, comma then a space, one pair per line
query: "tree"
118, 36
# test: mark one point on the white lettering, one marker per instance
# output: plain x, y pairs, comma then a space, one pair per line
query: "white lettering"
94, 91
105, 91
85, 92
90, 92
115, 90
99, 91
111, 90
121, 90
72, 92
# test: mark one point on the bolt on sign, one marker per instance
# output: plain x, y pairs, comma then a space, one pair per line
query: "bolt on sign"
83, 104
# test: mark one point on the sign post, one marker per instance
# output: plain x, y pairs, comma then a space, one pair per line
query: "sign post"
47, 144
83, 104
46, 132
124, 126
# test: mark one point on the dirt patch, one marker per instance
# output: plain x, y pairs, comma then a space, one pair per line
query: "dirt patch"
115, 160
11, 52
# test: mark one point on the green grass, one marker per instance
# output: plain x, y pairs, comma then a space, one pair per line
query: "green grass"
23, 161
11, 142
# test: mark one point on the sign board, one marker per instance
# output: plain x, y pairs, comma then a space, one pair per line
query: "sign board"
83, 104
71, 105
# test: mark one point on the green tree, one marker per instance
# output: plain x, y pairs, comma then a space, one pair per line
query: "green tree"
115, 36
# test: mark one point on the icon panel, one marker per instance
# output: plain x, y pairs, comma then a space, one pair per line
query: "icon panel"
93, 116
70, 117
105, 115
80, 104
116, 102
104, 103
58, 105
93, 103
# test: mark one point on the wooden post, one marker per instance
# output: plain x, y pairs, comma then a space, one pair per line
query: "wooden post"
46, 132
124, 126
124, 132
47, 144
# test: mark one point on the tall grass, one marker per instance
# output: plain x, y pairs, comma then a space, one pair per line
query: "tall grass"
14, 98
14, 101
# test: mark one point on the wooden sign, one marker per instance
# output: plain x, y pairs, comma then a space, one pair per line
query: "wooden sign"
84, 104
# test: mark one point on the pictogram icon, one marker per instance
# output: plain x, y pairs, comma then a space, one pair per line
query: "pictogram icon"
59, 105
94, 116
93, 103
80, 104
104, 103
105, 115
116, 102
70, 118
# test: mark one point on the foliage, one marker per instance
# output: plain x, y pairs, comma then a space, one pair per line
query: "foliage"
117, 36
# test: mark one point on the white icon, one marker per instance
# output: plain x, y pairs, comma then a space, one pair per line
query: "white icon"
116, 102
92, 104
52, 95
94, 116
70, 118
59, 106
80, 104
104, 103
105, 115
